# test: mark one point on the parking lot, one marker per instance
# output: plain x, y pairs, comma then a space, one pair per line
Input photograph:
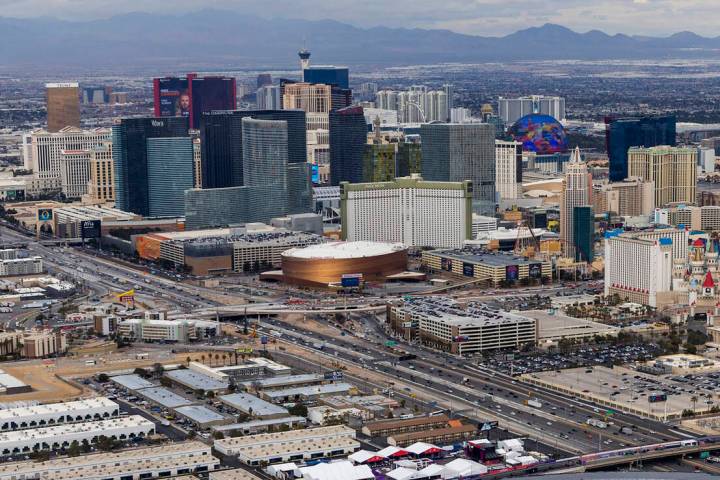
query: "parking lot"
627, 390
585, 355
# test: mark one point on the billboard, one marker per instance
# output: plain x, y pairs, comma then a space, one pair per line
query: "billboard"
535, 270
446, 264
90, 229
173, 97
315, 173
191, 96
44, 214
512, 272
468, 269
657, 397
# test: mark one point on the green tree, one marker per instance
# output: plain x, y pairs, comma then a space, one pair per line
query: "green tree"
74, 449
299, 409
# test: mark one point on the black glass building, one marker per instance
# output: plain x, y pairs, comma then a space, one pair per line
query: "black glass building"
348, 137
130, 158
327, 74
623, 133
584, 233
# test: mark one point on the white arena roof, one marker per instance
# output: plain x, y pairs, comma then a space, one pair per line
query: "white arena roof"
343, 250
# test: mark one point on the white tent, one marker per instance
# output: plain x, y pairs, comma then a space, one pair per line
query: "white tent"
337, 470
402, 473
462, 468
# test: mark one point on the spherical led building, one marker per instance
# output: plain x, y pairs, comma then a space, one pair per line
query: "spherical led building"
326, 263
541, 134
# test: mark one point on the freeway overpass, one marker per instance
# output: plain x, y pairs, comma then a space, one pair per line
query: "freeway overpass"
642, 456
276, 309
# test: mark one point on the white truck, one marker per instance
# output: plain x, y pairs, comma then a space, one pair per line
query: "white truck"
594, 422
534, 402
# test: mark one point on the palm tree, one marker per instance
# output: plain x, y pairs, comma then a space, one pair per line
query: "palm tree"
188, 360
202, 358
694, 400
217, 358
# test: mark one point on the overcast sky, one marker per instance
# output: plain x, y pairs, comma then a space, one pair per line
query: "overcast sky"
477, 17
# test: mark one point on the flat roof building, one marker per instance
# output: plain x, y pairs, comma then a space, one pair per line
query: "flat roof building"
444, 324
306, 393
195, 380
55, 413
61, 436
164, 397
497, 268
201, 416
253, 406
150, 462
131, 382
289, 446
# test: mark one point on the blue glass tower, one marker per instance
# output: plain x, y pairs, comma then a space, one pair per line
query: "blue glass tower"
623, 133
169, 174
348, 137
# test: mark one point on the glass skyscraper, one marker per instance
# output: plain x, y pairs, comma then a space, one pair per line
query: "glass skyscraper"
623, 133
453, 152
169, 174
584, 233
221, 140
348, 137
132, 188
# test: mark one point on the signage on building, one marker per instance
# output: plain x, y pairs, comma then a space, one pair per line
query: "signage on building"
535, 270
90, 229
44, 214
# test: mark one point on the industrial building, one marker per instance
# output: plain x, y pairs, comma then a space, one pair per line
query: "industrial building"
407, 210
259, 426
306, 393
311, 443
444, 324
384, 428
325, 264
36, 416
201, 416
10, 385
441, 436
205, 252
253, 406
131, 464
61, 436
494, 267
196, 381
285, 381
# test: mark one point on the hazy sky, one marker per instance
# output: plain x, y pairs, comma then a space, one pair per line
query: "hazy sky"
478, 17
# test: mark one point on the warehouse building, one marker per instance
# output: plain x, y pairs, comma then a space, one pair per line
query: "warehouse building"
131, 382
132, 464
253, 406
285, 381
497, 268
311, 443
444, 324
259, 426
61, 436
195, 381
301, 394
163, 397
440, 436
56, 413
201, 416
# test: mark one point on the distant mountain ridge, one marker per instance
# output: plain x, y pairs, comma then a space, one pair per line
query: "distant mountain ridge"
217, 38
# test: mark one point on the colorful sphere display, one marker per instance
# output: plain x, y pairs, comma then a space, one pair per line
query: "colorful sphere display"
540, 133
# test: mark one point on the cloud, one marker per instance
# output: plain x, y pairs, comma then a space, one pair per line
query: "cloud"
476, 17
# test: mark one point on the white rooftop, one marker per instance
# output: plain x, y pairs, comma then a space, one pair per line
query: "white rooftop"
63, 407
101, 427
250, 403
344, 250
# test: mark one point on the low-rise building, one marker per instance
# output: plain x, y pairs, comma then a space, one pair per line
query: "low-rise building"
162, 330
384, 428
443, 323
311, 443
61, 436
253, 406
196, 381
21, 266
138, 463
496, 268
36, 416
201, 416
440, 436
259, 426
305, 393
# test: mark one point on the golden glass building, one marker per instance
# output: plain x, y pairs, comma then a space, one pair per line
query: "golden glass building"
63, 105
673, 170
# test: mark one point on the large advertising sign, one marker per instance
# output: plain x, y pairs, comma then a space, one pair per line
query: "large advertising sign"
446, 264
90, 229
512, 272
535, 270
173, 97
